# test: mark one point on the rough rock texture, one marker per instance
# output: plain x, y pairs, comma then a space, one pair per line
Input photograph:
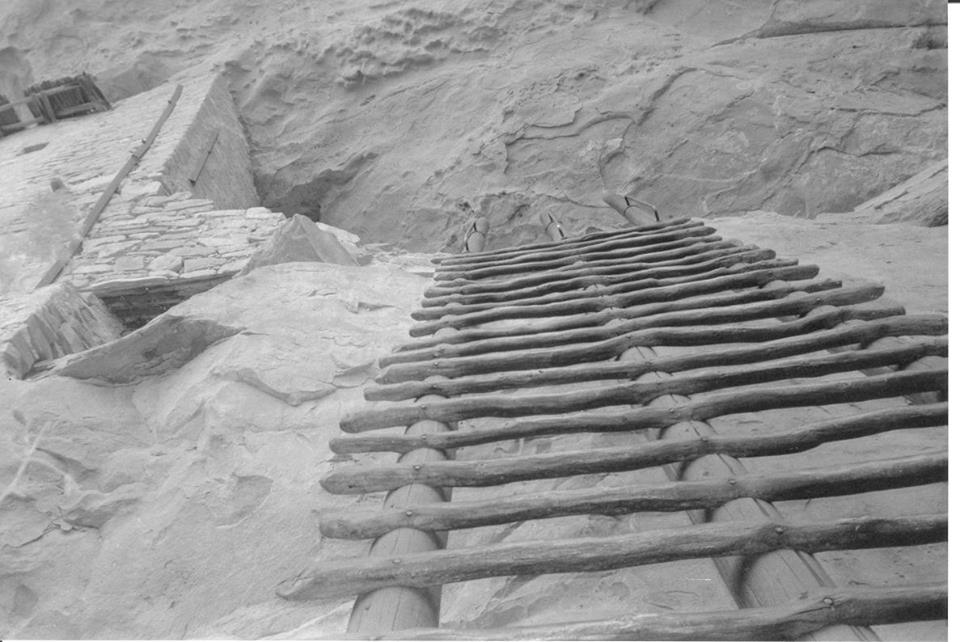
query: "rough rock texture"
921, 200
299, 239
84, 154
172, 506
910, 261
400, 120
49, 323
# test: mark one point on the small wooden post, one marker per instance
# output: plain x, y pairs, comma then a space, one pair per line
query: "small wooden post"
554, 231
634, 210
476, 237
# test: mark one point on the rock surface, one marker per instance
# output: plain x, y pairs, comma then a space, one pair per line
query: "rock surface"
400, 120
172, 505
300, 239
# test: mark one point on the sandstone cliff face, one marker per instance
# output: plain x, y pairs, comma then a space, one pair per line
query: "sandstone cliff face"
397, 120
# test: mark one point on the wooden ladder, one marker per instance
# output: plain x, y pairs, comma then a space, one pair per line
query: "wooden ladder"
658, 334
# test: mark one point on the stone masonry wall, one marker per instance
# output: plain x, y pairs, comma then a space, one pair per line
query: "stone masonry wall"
49, 323
225, 174
85, 153
170, 236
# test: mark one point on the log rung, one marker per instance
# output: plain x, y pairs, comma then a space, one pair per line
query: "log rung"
856, 606
472, 407
816, 331
657, 329
708, 407
671, 496
356, 576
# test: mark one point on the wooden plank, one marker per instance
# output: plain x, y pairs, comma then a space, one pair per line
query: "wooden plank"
575, 241
659, 328
353, 576
628, 308
475, 406
675, 250
581, 251
702, 261
856, 606
633, 293
769, 397
670, 496
773, 347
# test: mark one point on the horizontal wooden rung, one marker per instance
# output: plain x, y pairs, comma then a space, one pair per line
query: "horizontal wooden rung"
538, 351
671, 496
668, 252
472, 407
633, 310
580, 279
852, 606
576, 248
633, 293
700, 262
586, 238
813, 332
896, 384
356, 576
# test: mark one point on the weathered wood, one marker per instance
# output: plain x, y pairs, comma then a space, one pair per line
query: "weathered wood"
389, 608
848, 605
700, 262
669, 496
564, 251
476, 237
671, 297
583, 278
774, 347
676, 252
552, 227
630, 311
586, 554
578, 241
752, 581
764, 398
472, 407
628, 294
654, 329
397, 607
